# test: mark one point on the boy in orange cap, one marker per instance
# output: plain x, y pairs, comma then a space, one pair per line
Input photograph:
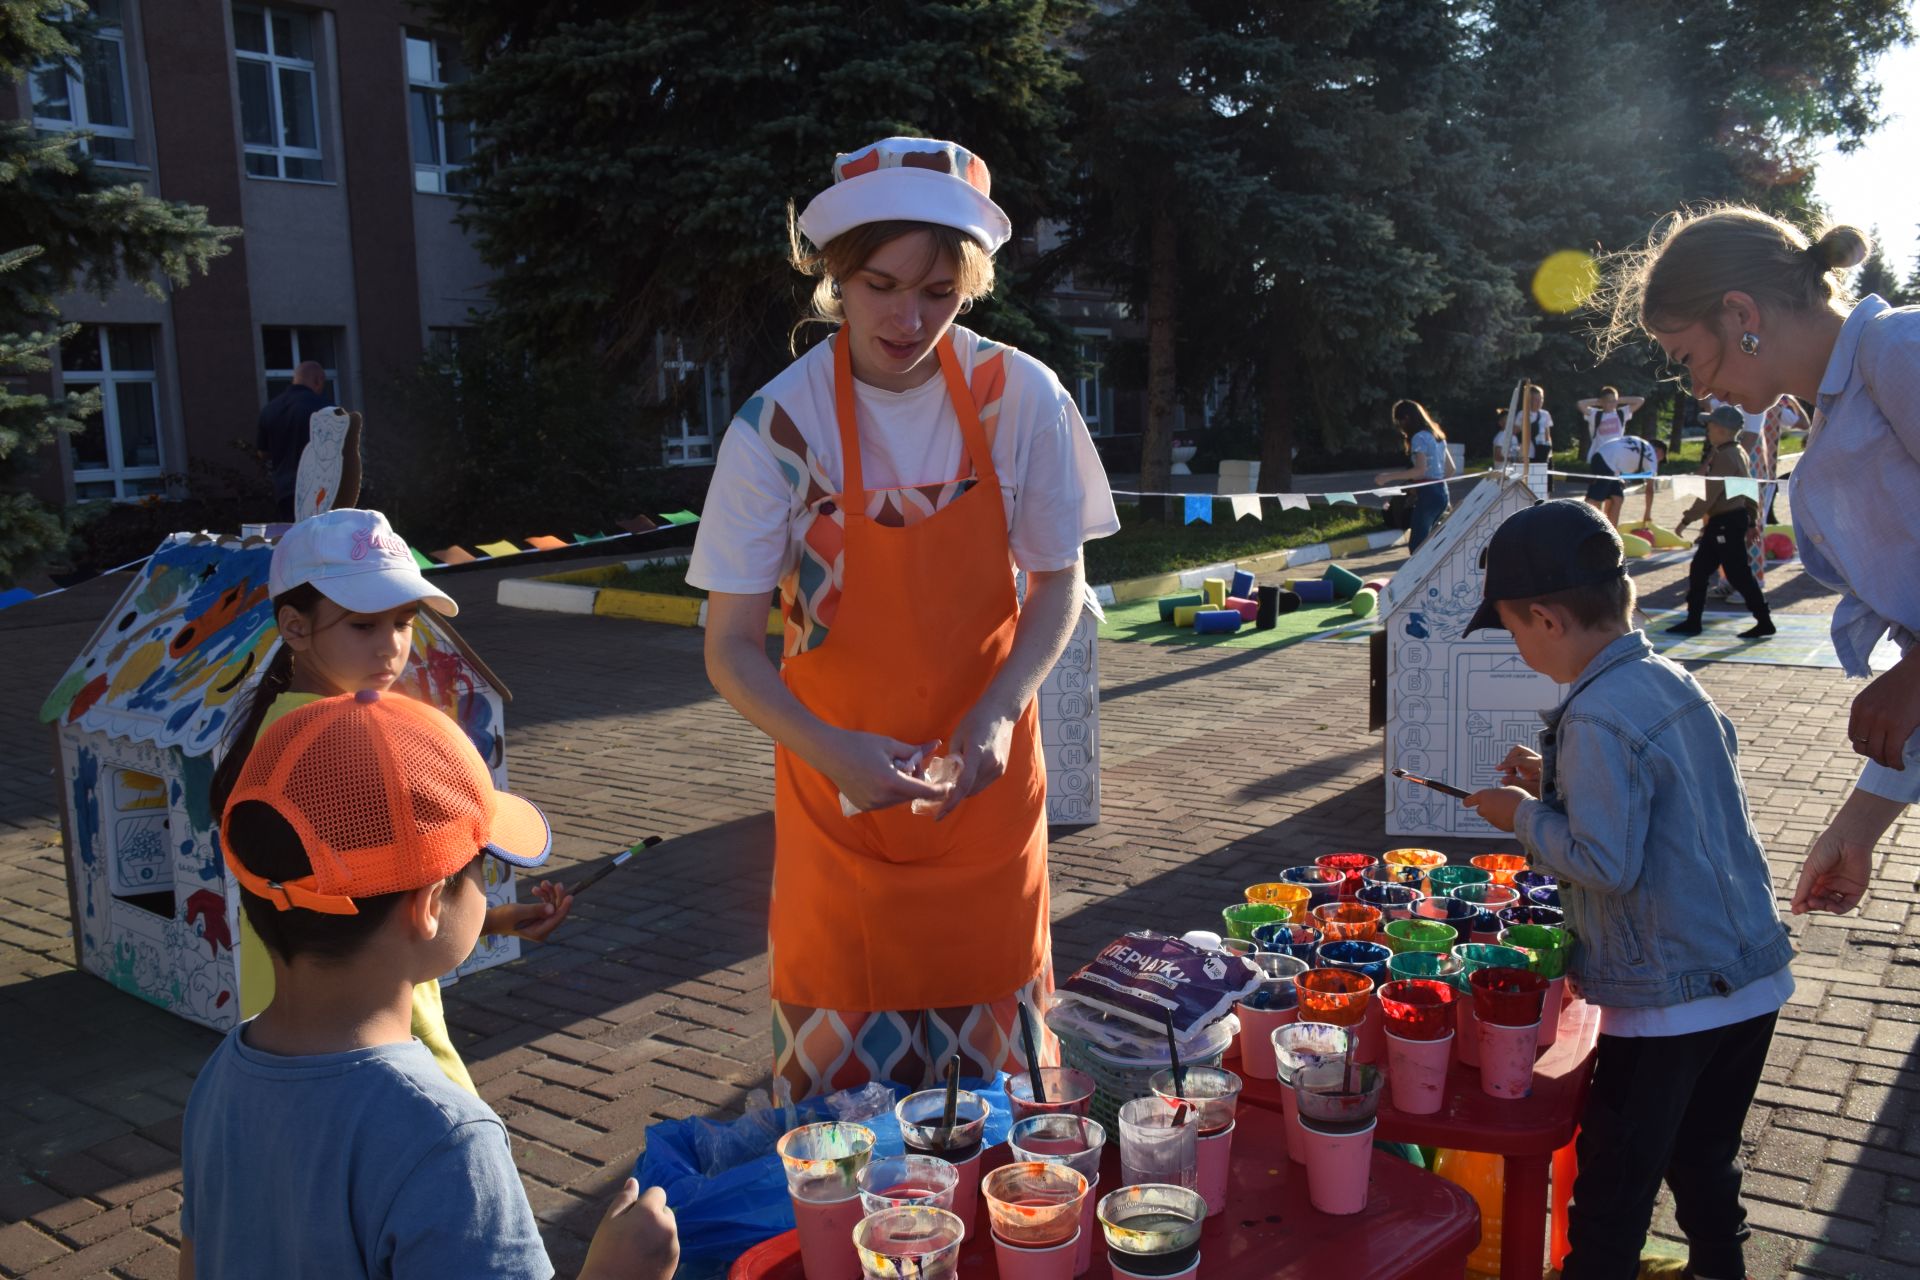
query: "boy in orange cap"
321, 1138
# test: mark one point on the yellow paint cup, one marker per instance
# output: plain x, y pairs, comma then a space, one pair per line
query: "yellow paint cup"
1293, 898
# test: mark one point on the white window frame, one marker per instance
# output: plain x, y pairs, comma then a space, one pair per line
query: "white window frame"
1092, 406
108, 379
430, 179
267, 376
275, 63
688, 443
77, 101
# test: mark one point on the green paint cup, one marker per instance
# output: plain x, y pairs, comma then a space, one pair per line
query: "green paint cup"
1241, 917
1446, 879
1419, 935
1485, 955
1547, 947
1427, 964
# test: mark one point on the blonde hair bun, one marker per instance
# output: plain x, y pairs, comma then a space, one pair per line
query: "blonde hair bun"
1842, 248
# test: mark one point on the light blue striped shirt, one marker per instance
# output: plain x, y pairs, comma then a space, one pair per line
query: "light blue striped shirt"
1428, 454
1856, 500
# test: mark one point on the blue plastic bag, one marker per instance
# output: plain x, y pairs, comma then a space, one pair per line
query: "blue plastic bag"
723, 1178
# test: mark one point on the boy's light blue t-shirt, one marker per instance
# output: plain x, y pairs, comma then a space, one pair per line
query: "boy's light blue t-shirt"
369, 1163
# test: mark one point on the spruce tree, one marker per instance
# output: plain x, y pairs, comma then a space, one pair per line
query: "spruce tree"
63, 223
1876, 276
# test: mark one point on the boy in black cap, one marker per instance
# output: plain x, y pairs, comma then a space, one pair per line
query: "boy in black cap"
1634, 802
1723, 542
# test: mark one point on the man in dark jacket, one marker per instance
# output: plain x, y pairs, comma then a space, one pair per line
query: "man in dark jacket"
283, 432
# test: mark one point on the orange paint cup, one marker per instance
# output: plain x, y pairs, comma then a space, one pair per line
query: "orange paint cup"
1348, 921
1503, 867
1337, 996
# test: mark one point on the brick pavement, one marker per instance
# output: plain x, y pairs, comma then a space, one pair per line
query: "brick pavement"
1220, 766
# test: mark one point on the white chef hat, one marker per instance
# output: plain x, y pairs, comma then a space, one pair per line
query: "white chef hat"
908, 180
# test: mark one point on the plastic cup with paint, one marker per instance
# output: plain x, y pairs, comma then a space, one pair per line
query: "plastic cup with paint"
1158, 1143
1544, 895
891, 1181
1059, 1139
1271, 1005
1394, 873
1295, 1048
1338, 1103
1458, 914
1337, 996
1153, 1230
1066, 1090
1395, 901
1503, 866
1485, 955
1488, 901
1419, 1030
822, 1163
1418, 1008
1369, 958
1532, 879
1342, 920
1213, 1091
1547, 948
1507, 996
1524, 913
1034, 1203
1423, 859
1351, 865
1321, 883
1241, 918
1339, 1094
909, 1242
1444, 880
924, 1132
1419, 935
1294, 898
1441, 966
1287, 939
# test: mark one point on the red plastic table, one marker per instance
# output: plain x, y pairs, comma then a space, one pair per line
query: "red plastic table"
1525, 1131
1415, 1225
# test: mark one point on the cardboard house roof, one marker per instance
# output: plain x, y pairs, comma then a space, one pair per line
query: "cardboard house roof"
1467, 528
188, 637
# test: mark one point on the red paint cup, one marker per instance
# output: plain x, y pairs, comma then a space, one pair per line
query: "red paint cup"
1508, 997
1352, 865
1417, 1008
1506, 1059
1338, 1165
1417, 1072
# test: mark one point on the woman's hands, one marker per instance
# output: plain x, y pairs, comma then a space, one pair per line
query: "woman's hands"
982, 742
1840, 861
1887, 712
877, 772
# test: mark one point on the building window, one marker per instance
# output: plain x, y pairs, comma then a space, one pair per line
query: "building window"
702, 394
287, 349
1088, 392
118, 455
87, 93
441, 147
279, 93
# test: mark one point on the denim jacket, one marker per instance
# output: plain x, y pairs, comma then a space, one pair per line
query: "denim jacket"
1643, 818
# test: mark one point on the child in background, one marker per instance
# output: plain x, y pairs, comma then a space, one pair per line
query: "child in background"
1623, 456
1427, 450
1607, 415
1537, 425
345, 591
321, 1139
1723, 537
1635, 804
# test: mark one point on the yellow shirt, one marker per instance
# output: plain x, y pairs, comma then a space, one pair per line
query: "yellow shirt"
256, 969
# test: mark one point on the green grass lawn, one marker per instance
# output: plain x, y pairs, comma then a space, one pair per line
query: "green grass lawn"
1144, 547
661, 579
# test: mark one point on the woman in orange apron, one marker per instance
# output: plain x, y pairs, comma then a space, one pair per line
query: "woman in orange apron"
890, 482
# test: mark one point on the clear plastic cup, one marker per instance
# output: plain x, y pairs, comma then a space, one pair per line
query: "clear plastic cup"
1299, 1045
1507, 996
1444, 880
892, 1181
1215, 1091
1034, 1203
910, 1243
1425, 859
1418, 1008
1339, 1095
1394, 873
1546, 946
1369, 958
1396, 901
1059, 1139
1159, 1144
1338, 996
1066, 1090
1293, 898
1241, 917
1419, 935
1338, 920
1503, 866
1287, 939
921, 1117
823, 1161
1276, 990
1160, 1222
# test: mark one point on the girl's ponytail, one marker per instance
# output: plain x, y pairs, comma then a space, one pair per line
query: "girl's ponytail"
274, 681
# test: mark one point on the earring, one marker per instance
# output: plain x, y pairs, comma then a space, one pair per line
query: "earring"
833, 287
966, 305
1750, 343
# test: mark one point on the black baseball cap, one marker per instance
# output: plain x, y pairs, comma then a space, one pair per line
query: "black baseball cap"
1548, 547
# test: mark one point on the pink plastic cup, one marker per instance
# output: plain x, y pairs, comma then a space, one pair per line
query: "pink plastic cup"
1066, 1089
1089, 1227
1036, 1262
1466, 1033
1417, 1072
1417, 1008
1296, 1048
1506, 1059
1550, 1011
822, 1163
1153, 1229
826, 1236
1507, 996
1338, 1164
906, 1243
1216, 1152
1256, 1038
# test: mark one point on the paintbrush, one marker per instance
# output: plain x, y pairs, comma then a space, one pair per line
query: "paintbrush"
952, 1114
619, 860
1033, 1056
1173, 1058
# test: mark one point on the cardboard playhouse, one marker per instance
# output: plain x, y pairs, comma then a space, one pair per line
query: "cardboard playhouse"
139, 722
1454, 704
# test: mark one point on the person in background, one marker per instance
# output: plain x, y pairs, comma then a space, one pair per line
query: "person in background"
283, 432
1538, 428
1754, 310
1427, 448
1607, 415
1624, 456
1723, 536
1783, 417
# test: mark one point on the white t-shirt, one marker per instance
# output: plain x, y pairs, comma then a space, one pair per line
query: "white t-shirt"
1627, 455
780, 461
1542, 423
1605, 425
1758, 998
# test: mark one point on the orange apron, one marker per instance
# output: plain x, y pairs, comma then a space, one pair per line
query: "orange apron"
889, 910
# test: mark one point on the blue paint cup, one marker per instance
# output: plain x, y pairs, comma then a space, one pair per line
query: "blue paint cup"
1531, 879
1533, 915
1286, 939
1460, 914
1369, 958
1396, 901
1544, 895
1323, 883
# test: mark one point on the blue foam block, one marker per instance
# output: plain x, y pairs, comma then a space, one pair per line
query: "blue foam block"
1217, 621
1242, 585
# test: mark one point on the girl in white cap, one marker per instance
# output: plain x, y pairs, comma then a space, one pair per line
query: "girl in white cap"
345, 592
889, 482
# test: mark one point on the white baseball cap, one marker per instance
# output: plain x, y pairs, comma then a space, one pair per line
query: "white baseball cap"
909, 180
355, 559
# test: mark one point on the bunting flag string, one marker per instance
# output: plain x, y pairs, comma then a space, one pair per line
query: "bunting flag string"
1197, 508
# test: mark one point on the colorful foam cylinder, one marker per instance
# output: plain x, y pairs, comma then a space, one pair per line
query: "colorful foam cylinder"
1311, 590
1376, 585
1217, 622
1633, 546
1183, 615
1345, 581
1169, 603
1215, 590
1242, 584
1364, 602
1249, 609
1269, 611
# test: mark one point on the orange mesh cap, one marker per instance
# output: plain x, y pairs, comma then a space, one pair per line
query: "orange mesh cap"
386, 793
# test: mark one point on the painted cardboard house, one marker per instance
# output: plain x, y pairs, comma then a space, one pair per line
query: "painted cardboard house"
1455, 704
139, 722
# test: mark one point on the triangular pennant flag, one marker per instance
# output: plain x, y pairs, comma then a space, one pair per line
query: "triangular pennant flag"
454, 555
1244, 505
1293, 502
1393, 492
1341, 499
580, 538
498, 549
1743, 488
17, 595
1200, 508
638, 524
420, 559
680, 517
1689, 486
545, 542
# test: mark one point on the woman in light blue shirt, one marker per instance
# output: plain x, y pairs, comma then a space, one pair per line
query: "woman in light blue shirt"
1754, 310
1427, 450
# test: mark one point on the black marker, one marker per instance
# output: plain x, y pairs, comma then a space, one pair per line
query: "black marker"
1441, 787
619, 860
